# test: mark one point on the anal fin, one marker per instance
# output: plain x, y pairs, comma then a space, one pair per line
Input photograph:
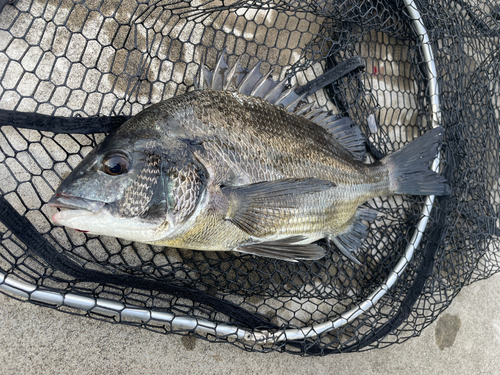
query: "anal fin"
285, 249
351, 239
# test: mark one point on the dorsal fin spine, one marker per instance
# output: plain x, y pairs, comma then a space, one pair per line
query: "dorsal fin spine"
313, 113
292, 106
218, 77
275, 93
260, 83
285, 94
245, 82
232, 74
320, 117
304, 109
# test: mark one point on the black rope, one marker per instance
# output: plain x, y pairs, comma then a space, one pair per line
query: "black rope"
26, 232
57, 124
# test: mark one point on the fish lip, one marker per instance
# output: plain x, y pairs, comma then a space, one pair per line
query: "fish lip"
70, 202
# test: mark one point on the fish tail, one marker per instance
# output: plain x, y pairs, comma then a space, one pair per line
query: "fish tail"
409, 167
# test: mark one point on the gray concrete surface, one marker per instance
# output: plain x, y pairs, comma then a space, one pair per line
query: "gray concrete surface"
37, 340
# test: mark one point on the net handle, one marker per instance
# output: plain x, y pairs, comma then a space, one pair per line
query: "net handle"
203, 326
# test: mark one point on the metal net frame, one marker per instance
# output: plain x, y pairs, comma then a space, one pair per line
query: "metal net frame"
71, 71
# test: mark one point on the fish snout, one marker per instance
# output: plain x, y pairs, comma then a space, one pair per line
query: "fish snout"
61, 200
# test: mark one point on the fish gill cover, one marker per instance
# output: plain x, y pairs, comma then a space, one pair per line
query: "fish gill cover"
70, 71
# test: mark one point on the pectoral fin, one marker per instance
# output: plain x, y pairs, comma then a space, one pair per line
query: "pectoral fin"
284, 249
261, 208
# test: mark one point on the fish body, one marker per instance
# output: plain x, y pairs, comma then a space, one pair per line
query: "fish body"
231, 170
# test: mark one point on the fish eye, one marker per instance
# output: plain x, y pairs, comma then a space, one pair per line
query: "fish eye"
115, 164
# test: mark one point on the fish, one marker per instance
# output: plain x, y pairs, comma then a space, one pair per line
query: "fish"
242, 163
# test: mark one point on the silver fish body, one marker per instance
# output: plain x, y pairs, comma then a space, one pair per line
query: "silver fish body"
222, 170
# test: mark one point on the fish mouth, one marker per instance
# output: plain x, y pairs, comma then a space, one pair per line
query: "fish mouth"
94, 217
75, 203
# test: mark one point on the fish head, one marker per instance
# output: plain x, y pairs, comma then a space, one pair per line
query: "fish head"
134, 186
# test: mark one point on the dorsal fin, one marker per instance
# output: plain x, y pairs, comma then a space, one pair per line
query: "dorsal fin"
253, 83
249, 82
348, 135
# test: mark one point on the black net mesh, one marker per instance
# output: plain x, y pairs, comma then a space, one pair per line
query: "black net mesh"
78, 61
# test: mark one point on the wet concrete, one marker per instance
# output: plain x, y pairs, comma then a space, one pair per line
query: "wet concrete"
447, 328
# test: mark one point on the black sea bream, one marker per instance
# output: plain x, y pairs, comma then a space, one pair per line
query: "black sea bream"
239, 164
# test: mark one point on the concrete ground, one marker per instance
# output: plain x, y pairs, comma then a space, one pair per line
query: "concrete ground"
38, 340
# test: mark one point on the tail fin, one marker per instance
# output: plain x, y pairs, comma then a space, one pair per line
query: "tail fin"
409, 167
